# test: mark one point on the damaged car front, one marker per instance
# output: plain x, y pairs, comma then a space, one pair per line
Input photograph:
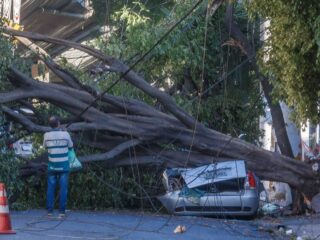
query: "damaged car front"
223, 188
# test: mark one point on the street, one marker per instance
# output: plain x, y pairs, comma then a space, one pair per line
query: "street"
34, 224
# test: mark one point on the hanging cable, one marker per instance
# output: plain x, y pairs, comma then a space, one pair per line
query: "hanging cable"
139, 60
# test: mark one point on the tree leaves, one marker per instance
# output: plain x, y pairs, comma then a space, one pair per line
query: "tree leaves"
293, 53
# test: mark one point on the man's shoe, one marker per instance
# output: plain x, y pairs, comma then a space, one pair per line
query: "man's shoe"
62, 215
49, 214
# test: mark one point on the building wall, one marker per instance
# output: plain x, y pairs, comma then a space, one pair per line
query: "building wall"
310, 141
292, 130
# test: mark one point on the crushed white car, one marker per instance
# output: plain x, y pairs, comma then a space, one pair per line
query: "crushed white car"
223, 188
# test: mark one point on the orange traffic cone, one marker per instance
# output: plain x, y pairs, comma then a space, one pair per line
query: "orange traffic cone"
5, 223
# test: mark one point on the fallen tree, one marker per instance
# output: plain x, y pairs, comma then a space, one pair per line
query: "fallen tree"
133, 132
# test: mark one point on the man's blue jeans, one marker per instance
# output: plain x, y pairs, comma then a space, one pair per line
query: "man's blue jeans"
53, 178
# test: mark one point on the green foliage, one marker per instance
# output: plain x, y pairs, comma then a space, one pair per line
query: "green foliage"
6, 49
293, 52
9, 171
118, 188
226, 113
137, 26
231, 99
95, 188
98, 189
105, 8
9, 164
132, 18
9, 58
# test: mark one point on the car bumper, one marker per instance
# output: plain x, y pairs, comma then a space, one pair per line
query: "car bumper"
231, 205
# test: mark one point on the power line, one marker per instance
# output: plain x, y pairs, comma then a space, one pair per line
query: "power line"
126, 73
140, 59
135, 64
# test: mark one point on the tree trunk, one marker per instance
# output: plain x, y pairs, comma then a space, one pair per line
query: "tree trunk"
276, 112
133, 125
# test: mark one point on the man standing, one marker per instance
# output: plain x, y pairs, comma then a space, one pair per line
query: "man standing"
58, 143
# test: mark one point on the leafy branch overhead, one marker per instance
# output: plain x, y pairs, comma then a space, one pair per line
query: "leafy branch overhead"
204, 68
131, 123
293, 50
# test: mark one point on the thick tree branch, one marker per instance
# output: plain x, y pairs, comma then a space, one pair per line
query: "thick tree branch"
40, 37
131, 76
112, 153
16, 95
276, 112
70, 79
213, 7
142, 124
28, 124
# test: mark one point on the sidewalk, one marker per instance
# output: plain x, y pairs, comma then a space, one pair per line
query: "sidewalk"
294, 227
305, 227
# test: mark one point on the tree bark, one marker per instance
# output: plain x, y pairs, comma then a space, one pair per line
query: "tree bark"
139, 126
276, 112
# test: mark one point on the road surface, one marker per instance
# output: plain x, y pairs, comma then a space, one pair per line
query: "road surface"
110, 225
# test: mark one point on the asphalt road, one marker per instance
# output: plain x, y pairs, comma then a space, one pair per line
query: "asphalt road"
34, 225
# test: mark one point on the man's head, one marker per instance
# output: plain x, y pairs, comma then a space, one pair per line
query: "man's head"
54, 122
